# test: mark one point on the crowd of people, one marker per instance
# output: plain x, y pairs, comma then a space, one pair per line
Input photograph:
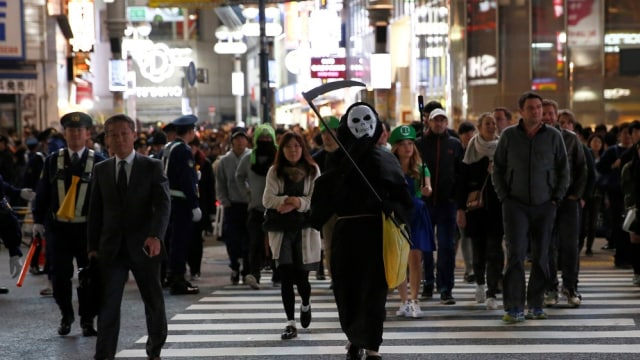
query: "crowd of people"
505, 192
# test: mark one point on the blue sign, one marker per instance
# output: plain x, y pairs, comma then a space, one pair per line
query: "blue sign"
12, 45
191, 74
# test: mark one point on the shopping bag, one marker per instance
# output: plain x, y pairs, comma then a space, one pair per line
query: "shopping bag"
395, 250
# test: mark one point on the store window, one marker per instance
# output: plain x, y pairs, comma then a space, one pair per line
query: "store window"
622, 38
548, 44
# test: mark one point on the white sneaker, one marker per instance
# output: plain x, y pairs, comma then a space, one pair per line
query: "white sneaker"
492, 303
480, 294
573, 298
252, 282
416, 312
550, 298
405, 310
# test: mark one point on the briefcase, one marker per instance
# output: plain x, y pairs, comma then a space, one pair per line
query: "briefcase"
89, 290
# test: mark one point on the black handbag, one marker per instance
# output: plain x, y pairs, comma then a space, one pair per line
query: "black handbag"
291, 221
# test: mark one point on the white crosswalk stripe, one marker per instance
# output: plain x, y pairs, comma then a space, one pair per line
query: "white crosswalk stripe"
237, 323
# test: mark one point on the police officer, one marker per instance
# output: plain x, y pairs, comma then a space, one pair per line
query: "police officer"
67, 172
185, 210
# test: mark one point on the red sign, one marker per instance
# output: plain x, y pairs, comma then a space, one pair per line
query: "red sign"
578, 10
329, 67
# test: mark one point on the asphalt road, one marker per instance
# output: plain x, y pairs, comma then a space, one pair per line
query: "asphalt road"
212, 324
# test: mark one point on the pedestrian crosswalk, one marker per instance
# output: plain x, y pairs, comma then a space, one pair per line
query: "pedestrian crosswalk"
234, 322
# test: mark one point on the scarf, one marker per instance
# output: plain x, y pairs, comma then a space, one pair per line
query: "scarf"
479, 148
263, 156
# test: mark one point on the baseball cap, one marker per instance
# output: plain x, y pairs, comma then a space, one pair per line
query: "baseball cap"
438, 112
404, 132
331, 121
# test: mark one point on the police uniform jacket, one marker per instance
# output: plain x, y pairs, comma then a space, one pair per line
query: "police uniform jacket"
47, 201
180, 169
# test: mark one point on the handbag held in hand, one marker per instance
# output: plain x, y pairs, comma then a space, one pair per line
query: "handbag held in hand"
475, 199
395, 250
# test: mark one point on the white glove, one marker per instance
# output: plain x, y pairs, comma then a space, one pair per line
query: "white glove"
38, 230
27, 194
196, 214
15, 265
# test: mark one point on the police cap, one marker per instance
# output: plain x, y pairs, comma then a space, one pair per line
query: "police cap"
185, 120
76, 119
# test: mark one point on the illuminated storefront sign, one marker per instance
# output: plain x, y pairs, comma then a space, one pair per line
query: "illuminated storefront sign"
158, 67
328, 67
11, 31
82, 22
612, 42
17, 86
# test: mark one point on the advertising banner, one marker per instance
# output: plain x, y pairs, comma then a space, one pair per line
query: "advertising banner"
583, 23
482, 42
11, 30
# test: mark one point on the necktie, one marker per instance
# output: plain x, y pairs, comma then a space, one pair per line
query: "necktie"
75, 158
122, 177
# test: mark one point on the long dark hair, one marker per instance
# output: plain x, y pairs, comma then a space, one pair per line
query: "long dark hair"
306, 161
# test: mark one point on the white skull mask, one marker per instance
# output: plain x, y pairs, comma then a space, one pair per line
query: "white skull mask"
361, 121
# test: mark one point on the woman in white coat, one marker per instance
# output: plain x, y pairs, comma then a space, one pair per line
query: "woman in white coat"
294, 244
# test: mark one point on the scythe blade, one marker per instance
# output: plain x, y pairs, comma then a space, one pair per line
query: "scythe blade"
330, 86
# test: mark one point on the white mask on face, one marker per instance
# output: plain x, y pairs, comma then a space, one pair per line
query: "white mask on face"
361, 121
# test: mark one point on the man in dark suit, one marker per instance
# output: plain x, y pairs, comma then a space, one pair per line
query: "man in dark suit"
128, 217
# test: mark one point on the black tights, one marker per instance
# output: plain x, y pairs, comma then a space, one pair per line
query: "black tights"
291, 275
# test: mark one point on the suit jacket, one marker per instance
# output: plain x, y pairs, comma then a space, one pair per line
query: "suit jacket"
116, 221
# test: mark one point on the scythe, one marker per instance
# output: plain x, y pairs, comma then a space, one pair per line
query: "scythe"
336, 85
323, 89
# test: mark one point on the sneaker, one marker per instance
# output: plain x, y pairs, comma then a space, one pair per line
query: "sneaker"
636, 279
481, 296
492, 303
550, 298
536, 314
404, 310
573, 298
416, 312
513, 316
305, 317
235, 277
469, 278
446, 298
427, 291
252, 282
195, 277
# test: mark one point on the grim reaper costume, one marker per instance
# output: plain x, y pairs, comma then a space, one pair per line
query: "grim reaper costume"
359, 283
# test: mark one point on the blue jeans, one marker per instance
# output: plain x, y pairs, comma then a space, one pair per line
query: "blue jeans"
443, 218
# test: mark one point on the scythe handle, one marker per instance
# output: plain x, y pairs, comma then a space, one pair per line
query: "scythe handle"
335, 138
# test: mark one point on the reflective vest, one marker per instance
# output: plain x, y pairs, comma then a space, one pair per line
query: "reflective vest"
85, 180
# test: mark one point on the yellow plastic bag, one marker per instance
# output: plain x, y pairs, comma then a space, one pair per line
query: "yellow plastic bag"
395, 250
